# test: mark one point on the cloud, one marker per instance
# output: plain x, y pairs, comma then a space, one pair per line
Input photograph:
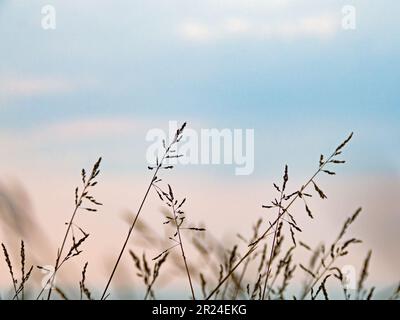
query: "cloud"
248, 4
92, 128
17, 86
315, 26
82, 130
32, 86
255, 19
195, 31
58, 145
86, 130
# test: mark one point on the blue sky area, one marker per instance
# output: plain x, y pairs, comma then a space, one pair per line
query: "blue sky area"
304, 85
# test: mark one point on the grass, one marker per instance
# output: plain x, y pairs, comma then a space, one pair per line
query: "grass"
267, 268
84, 195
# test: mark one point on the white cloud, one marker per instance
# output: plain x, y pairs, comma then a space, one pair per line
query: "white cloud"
195, 31
259, 19
82, 130
71, 141
248, 4
15, 86
92, 128
32, 86
316, 26
236, 26
324, 25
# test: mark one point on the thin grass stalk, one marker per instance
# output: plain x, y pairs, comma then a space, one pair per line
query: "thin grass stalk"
130, 231
330, 254
22, 253
254, 245
183, 251
317, 279
241, 277
273, 247
78, 202
23, 281
10, 269
157, 169
60, 251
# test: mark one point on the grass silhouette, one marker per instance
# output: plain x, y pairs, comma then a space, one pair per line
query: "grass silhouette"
264, 270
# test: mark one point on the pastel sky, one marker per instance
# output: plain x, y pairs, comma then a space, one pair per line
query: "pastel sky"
112, 70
